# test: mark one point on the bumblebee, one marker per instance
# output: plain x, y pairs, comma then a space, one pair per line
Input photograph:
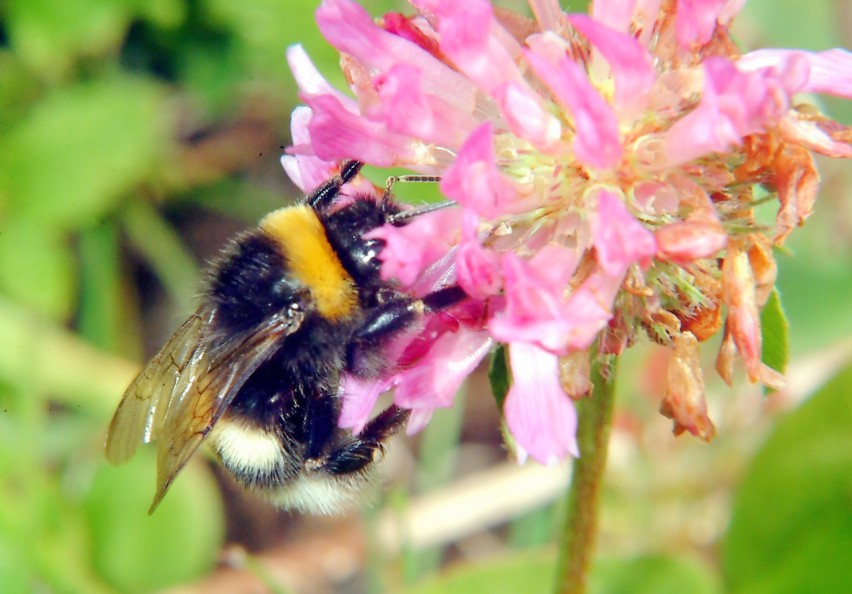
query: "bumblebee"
256, 370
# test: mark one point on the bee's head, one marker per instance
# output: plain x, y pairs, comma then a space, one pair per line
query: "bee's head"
347, 228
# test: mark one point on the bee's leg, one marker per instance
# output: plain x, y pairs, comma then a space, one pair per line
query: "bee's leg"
320, 423
399, 313
443, 298
364, 448
321, 198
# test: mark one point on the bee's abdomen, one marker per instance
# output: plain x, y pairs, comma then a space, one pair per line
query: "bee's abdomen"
256, 457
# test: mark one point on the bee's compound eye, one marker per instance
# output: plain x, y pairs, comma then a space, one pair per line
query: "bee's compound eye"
372, 248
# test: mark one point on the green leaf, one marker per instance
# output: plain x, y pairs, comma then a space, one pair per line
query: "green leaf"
653, 574
164, 13
135, 552
19, 87
164, 251
37, 267
792, 516
507, 575
533, 573
783, 23
815, 317
50, 35
776, 333
99, 317
533, 529
14, 570
46, 357
499, 375
80, 149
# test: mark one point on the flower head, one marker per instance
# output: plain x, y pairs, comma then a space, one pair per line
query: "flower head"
605, 168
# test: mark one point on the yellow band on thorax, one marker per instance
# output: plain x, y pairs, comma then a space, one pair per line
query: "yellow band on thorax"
312, 260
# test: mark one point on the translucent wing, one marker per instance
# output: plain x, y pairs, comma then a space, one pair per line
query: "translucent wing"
183, 390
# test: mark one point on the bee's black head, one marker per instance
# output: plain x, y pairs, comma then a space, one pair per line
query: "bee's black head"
346, 228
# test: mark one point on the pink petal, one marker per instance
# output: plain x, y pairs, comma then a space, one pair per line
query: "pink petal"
597, 142
414, 29
620, 240
474, 180
477, 268
439, 274
410, 249
645, 14
306, 171
686, 241
338, 134
351, 29
535, 305
311, 81
615, 14
733, 104
589, 310
547, 13
526, 116
538, 413
469, 38
704, 130
408, 110
632, 65
696, 20
830, 71
418, 420
434, 380
359, 397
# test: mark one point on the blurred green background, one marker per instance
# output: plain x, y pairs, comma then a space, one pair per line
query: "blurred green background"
136, 136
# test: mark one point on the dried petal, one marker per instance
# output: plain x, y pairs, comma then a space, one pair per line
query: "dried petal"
684, 402
574, 374
797, 181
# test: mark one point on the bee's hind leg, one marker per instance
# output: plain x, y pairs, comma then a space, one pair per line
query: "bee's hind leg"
364, 448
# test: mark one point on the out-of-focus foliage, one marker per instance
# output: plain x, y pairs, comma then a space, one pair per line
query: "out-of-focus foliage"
792, 516
127, 126
118, 119
529, 573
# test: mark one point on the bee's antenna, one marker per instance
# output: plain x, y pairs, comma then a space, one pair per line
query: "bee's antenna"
402, 217
387, 198
324, 195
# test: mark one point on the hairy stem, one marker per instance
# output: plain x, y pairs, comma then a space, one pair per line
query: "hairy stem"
578, 533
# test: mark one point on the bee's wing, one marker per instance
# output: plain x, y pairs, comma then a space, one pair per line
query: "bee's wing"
184, 389
139, 417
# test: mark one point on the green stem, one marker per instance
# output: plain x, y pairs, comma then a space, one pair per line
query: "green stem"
580, 529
